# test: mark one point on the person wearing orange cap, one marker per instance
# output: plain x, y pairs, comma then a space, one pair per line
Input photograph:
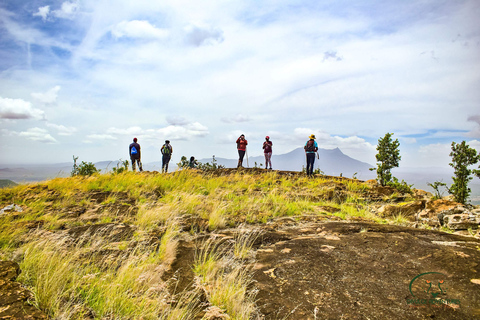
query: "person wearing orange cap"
311, 148
135, 156
267, 151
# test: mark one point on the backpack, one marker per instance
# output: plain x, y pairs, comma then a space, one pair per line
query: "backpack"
166, 149
134, 150
310, 146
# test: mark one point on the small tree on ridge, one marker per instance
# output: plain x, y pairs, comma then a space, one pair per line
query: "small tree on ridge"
462, 157
388, 157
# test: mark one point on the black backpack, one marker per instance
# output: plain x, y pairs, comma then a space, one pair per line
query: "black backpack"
310, 146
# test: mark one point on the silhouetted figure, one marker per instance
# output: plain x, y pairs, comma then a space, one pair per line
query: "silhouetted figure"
135, 156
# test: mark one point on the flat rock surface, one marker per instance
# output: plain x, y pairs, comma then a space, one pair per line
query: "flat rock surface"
341, 270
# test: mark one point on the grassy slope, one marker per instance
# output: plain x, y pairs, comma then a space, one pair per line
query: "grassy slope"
76, 279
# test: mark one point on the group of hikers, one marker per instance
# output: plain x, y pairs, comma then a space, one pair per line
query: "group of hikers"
311, 148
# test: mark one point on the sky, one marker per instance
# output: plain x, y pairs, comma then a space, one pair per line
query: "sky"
85, 77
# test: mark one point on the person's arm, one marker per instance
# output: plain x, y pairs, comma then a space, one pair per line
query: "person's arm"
139, 153
171, 150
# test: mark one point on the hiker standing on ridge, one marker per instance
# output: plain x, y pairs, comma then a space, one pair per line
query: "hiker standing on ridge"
167, 151
135, 157
311, 148
267, 150
193, 163
242, 148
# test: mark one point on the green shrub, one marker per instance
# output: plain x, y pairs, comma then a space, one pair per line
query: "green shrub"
84, 169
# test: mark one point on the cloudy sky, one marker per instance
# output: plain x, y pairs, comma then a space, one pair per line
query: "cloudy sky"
85, 77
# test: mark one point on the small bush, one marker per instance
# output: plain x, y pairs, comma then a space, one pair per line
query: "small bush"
84, 169
403, 187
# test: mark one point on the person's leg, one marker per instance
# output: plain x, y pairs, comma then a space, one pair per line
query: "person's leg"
133, 163
140, 167
241, 154
163, 163
166, 164
310, 159
268, 160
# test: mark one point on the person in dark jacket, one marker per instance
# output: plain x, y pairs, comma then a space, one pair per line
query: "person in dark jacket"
267, 150
242, 148
167, 152
311, 148
135, 156
193, 163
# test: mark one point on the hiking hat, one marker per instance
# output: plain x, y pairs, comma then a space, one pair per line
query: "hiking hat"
312, 136
267, 137
134, 139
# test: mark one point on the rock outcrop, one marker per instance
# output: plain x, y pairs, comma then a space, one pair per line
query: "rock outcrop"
13, 297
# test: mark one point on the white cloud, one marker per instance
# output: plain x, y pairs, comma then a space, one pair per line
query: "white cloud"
62, 130
140, 29
177, 121
38, 134
475, 144
434, 155
68, 10
43, 12
48, 97
128, 131
237, 118
101, 137
202, 35
179, 129
16, 109
475, 132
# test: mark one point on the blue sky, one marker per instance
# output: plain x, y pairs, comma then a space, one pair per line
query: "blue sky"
85, 77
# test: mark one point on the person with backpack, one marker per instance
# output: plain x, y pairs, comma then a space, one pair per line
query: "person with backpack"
193, 163
267, 150
242, 148
311, 148
167, 151
135, 157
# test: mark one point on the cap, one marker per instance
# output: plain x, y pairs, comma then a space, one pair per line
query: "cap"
167, 141
267, 137
134, 139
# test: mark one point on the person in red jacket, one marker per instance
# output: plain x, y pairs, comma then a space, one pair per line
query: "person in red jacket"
267, 150
242, 148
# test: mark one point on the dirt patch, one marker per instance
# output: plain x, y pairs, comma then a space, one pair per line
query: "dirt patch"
338, 270
14, 299
104, 232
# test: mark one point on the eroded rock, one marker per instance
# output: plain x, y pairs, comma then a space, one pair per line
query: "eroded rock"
13, 297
